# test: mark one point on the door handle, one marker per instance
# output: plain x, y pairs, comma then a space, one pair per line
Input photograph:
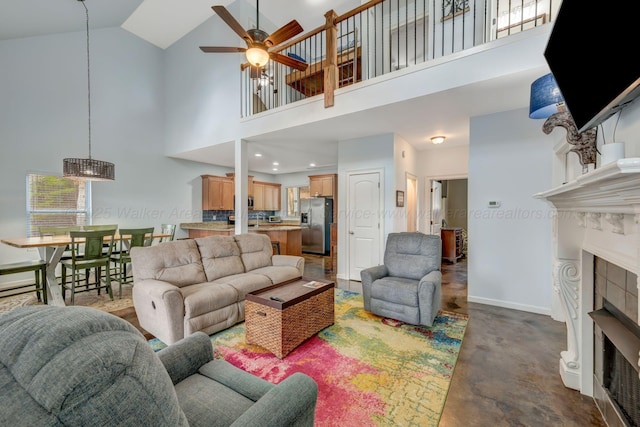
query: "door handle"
351, 232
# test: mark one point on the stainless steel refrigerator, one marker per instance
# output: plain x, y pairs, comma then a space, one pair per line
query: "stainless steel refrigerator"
316, 215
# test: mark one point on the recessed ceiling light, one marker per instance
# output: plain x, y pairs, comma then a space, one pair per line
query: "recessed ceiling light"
275, 169
275, 163
258, 155
313, 165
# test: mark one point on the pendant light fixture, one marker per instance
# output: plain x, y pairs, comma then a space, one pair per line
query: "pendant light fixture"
88, 169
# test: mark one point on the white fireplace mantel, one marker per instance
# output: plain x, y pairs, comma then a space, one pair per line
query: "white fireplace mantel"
597, 214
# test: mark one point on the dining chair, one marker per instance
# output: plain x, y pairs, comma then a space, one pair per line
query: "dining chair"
129, 238
167, 229
87, 254
39, 267
60, 230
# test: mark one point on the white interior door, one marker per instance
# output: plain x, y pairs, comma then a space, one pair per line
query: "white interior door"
412, 203
436, 207
364, 222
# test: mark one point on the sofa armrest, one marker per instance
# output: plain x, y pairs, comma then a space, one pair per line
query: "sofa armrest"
159, 307
289, 403
289, 261
183, 358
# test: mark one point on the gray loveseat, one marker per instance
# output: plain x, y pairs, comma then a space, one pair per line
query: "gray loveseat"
191, 285
80, 366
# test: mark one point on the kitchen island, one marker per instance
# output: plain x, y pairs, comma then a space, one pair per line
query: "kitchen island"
288, 236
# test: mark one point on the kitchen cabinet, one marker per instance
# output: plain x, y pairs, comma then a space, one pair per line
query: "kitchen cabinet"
217, 193
249, 182
323, 185
266, 196
451, 244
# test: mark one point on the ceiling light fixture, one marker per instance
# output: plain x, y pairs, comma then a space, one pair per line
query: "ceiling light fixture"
258, 155
257, 55
313, 165
275, 163
438, 139
88, 169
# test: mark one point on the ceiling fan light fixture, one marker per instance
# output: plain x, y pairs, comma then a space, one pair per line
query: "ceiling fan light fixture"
257, 56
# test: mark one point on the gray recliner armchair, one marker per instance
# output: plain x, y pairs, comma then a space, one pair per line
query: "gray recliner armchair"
407, 286
81, 366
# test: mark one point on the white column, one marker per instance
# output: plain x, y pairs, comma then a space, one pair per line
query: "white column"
241, 186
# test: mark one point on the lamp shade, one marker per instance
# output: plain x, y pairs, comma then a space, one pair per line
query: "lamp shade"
89, 169
545, 97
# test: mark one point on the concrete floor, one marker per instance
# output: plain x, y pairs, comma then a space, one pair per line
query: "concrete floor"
507, 370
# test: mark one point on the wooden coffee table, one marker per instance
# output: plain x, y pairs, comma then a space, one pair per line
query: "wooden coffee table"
281, 317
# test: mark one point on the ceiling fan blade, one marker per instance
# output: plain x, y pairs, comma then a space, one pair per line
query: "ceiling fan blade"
283, 33
213, 49
224, 14
288, 61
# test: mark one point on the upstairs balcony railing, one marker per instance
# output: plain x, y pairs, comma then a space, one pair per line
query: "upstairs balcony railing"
381, 37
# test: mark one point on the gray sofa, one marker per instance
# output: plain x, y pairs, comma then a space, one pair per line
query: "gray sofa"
407, 286
80, 366
191, 285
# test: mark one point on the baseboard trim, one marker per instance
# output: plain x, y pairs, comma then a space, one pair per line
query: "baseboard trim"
510, 305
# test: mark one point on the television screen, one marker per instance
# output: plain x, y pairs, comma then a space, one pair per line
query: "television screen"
590, 53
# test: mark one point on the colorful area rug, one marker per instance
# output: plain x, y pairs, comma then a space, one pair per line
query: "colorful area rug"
371, 371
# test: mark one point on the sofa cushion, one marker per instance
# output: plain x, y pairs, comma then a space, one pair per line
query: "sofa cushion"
278, 274
255, 250
245, 283
220, 256
177, 262
206, 297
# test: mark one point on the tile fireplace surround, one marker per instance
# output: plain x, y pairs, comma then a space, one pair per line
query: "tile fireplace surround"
596, 215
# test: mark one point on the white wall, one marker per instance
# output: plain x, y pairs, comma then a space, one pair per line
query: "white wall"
405, 161
510, 247
364, 154
439, 163
43, 119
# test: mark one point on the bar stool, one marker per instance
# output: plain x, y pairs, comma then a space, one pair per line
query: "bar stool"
37, 266
276, 247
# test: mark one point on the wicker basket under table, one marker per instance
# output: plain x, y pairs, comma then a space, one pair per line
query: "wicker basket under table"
281, 326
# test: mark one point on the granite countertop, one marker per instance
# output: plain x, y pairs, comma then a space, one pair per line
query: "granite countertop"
222, 226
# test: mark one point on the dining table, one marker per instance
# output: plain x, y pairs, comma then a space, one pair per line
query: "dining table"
51, 249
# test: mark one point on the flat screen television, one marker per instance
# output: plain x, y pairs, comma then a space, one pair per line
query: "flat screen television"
592, 53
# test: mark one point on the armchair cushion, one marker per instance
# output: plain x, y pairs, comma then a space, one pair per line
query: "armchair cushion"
412, 255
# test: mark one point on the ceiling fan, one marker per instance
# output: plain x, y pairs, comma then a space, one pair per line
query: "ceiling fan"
258, 41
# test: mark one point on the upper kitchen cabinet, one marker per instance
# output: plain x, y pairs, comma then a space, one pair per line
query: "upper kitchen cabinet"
266, 196
323, 185
249, 182
217, 193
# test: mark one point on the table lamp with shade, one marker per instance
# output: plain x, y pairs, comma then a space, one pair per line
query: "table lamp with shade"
547, 102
